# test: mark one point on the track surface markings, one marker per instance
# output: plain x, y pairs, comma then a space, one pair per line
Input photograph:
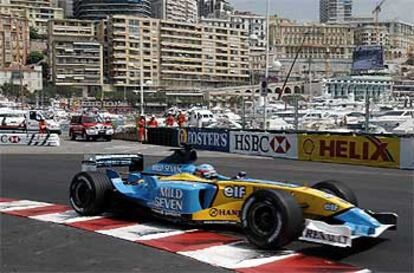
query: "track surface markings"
218, 249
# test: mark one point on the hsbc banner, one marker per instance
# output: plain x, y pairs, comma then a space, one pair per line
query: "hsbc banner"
264, 144
205, 139
407, 153
29, 139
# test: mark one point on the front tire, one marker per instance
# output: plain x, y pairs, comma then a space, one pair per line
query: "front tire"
271, 219
337, 189
90, 193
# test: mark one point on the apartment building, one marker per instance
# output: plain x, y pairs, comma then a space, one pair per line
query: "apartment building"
319, 40
335, 10
14, 40
100, 9
31, 78
176, 10
39, 12
214, 8
67, 6
254, 24
397, 37
131, 44
197, 55
75, 56
328, 48
172, 55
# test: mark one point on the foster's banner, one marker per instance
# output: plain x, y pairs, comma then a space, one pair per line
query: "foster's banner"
264, 144
363, 150
205, 139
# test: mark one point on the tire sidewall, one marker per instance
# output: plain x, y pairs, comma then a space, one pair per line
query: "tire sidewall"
82, 178
286, 229
337, 189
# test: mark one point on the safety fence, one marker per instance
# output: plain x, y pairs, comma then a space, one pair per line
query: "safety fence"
29, 139
386, 151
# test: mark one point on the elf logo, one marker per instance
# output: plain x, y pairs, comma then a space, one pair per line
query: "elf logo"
235, 192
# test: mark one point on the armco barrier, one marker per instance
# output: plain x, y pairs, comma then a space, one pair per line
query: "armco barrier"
29, 139
264, 144
163, 136
129, 134
368, 150
205, 139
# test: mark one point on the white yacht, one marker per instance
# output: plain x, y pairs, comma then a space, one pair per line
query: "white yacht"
394, 118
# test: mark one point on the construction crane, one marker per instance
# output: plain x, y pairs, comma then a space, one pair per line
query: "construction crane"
376, 13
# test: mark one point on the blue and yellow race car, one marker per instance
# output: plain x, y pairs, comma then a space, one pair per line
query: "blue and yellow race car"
270, 213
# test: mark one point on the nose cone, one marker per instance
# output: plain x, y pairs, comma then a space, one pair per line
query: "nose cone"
360, 222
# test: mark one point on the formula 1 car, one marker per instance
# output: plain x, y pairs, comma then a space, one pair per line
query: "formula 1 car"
270, 213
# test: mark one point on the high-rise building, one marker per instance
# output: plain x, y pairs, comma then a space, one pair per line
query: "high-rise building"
75, 56
335, 10
172, 55
198, 55
14, 40
254, 24
39, 12
100, 9
214, 8
326, 48
176, 10
67, 6
395, 36
131, 44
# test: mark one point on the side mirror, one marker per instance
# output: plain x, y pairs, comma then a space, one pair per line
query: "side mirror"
242, 174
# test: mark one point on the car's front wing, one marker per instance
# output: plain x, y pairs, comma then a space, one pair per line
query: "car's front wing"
341, 235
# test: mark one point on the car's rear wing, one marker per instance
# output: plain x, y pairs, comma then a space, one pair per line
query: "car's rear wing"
135, 162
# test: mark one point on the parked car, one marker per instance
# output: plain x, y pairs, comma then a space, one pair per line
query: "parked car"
90, 127
26, 120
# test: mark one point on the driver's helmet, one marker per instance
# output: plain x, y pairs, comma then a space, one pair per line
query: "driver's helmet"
206, 171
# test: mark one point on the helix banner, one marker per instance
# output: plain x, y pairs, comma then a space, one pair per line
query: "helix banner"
368, 150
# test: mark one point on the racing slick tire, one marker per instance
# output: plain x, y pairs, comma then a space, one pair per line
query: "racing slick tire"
337, 189
271, 219
90, 193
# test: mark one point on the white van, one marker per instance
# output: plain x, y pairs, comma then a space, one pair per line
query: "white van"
26, 120
200, 118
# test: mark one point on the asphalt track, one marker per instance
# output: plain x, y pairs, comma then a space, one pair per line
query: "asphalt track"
28, 245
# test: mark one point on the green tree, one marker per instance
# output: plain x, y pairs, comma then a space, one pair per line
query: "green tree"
14, 90
10, 90
34, 57
34, 33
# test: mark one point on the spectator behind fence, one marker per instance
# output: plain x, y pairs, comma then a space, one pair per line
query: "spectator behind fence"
152, 123
169, 121
181, 119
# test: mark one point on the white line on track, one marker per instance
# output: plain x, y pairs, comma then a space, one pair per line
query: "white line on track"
141, 232
21, 205
236, 255
69, 216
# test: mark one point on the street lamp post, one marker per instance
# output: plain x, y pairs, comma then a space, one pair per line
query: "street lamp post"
142, 78
267, 64
367, 108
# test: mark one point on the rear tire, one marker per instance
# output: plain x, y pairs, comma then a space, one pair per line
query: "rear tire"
90, 193
337, 189
271, 219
